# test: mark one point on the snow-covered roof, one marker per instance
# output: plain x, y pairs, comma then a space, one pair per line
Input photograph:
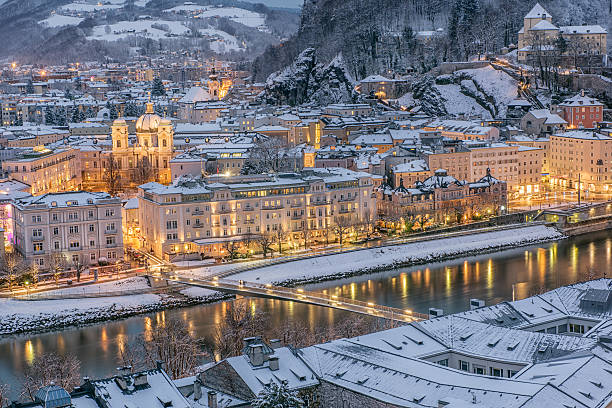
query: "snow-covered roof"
583, 134
580, 100
412, 166
549, 117
375, 78
544, 25
538, 12
583, 29
67, 199
195, 94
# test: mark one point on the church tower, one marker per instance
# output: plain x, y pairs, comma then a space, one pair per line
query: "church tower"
119, 133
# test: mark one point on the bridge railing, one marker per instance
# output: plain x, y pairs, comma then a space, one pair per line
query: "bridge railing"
323, 299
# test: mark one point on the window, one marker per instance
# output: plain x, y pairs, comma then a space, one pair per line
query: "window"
38, 247
92, 257
576, 328
92, 228
171, 236
74, 245
464, 365
37, 233
511, 373
73, 229
55, 231
36, 219
496, 372
173, 224
443, 362
54, 217
90, 214
110, 240
479, 370
110, 226
92, 243
73, 216
110, 212
56, 245
75, 258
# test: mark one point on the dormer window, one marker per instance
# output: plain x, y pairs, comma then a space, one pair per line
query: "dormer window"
118, 143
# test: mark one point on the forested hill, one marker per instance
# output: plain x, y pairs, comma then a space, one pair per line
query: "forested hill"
376, 35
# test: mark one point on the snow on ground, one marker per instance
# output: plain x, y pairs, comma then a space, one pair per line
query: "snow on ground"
406, 100
89, 7
418, 252
57, 20
128, 284
186, 8
457, 103
222, 42
501, 86
238, 15
124, 29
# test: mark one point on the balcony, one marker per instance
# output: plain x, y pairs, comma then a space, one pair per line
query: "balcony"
197, 212
345, 199
197, 225
346, 211
273, 207
38, 238
113, 245
297, 205
41, 252
110, 231
297, 217
324, 202
78, 248
248, 209
224, 211
249, 221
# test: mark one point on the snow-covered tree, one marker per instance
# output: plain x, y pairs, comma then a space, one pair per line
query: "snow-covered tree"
30, 87
46, 369
49, 116
277, 396
157, 87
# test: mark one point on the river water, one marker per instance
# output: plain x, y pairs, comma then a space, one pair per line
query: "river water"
449, 285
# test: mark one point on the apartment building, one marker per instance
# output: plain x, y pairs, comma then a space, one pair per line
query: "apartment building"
200, 216
46, 170
80, 226
529, 165
581, 112
463, 130
581, 153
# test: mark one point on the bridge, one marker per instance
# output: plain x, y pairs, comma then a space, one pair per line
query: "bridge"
252, 289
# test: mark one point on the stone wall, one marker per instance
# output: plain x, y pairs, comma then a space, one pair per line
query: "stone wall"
332, 396
597, 83
450, 67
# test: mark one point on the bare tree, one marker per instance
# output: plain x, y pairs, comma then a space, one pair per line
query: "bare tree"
11, 267
79, 267
4, 395
144, 171
173, 345
305, 233
265, 242
62, 370
240, 322
342, 226
57, 264
265, 157
232, 249
34, 271
369, 223
279, 237
112, 176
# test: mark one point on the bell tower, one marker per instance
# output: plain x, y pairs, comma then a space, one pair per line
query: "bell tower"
119, 134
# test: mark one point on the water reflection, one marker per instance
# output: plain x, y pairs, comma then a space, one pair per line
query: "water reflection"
449, 286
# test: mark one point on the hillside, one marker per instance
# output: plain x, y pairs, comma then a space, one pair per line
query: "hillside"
378, 35
32, 29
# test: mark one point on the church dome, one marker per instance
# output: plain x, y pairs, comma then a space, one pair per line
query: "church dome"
149, 122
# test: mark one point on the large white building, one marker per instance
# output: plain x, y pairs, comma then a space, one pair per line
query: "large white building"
200, 216
81, 226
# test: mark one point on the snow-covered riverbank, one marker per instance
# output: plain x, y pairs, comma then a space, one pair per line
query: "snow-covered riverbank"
32, 316
18, 316
377, 259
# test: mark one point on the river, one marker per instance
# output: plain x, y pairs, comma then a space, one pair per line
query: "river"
449, 285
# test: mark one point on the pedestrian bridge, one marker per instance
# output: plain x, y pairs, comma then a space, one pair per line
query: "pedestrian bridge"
252, 289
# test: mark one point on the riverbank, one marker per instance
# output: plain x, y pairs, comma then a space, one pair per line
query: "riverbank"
343, 265
19, 316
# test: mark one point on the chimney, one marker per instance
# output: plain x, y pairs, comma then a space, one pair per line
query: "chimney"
256, 354
125, 370
160, 365
197, 390
140, 380
275, 343
212, 399
273, 363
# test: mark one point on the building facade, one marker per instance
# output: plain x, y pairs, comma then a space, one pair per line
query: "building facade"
201, 216
81, 227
